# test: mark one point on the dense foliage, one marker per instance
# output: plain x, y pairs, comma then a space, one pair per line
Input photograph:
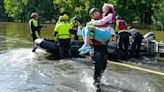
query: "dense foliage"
145, 12
3, 15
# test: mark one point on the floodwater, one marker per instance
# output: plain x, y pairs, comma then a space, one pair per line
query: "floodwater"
24, 71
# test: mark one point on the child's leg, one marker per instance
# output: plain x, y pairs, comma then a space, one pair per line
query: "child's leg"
86, 35
83, 32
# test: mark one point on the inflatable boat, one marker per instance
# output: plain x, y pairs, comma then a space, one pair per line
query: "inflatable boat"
149, 47
53, 47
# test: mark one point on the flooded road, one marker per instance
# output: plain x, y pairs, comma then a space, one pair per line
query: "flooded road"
24, 71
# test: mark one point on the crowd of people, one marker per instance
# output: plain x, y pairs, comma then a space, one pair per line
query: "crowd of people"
96, 35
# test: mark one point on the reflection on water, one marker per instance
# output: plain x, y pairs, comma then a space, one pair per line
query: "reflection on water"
24, 71
14, 35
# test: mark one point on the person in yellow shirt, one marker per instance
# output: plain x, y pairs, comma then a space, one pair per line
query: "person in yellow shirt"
75, 26
123, 39
62, 32
35, 28
59, 20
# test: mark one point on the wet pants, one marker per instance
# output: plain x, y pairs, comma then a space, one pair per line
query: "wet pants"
123, 45
136, 45
64, 46
75, 35
100, 58
34, 35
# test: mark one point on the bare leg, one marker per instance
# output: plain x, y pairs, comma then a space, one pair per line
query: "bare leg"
86, 36
86, 40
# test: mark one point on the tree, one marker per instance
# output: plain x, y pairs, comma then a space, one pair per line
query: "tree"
72, 7
21, 9
46, 9
158, 17
144, 11
3, 15
15, 8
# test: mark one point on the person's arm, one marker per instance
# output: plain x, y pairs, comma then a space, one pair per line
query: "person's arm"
56, 30
41, 26
70, 28
55, 33
103, 21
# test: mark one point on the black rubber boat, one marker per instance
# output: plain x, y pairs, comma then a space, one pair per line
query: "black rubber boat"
148, 48
52, 47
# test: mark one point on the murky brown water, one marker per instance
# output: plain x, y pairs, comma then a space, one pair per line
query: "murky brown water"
24, 71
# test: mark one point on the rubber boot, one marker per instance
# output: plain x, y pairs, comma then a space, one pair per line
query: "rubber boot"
34, 47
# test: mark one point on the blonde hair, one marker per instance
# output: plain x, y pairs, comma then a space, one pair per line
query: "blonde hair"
106, 5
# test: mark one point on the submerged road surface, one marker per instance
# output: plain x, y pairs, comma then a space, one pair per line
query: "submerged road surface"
24, 71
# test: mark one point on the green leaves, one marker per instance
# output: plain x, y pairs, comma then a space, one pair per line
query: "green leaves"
130, 10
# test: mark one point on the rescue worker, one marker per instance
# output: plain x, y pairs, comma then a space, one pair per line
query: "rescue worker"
100, 51
75, 26
136, 44
62, 32
102, 29
59, 20
66, 18
35, 27
123, 39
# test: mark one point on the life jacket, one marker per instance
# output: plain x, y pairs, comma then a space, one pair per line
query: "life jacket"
93, 42
35, 23
35, 31
105, 25
121, 26
63, 30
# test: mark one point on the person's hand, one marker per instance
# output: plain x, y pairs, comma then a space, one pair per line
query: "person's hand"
91, 28
90, 24
54, 34
43, 27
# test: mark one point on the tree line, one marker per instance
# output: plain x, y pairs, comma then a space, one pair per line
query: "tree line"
145, 12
